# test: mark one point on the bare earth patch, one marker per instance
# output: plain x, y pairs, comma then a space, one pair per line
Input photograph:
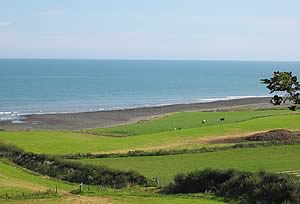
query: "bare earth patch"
272, 135
277, 135
88, 199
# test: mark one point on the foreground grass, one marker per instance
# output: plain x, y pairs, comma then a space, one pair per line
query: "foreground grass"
149, 195
16, 181
117, 199
74, 142
273, 158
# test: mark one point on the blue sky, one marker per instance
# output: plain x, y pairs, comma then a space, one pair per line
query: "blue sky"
151, 29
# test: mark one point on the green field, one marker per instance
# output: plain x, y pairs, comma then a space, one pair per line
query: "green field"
64, 142
273, 158
148, 135
140, 195
15, 181
184, 120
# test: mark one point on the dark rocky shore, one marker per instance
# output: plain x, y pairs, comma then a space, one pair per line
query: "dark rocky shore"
84, 120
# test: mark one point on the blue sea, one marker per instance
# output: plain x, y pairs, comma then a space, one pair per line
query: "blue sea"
56, 86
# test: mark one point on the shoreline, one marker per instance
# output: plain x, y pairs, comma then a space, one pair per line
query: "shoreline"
14, 115
108, 118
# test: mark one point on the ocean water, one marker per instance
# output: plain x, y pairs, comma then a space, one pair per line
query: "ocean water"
50, 86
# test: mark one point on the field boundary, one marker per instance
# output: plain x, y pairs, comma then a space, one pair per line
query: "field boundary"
163, 152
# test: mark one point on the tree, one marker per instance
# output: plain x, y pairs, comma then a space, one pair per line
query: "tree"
286, 88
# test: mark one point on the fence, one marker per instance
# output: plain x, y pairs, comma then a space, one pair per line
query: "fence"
27, 195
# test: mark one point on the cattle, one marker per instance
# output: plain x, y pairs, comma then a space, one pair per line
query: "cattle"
292, 108
222, 119
204, 121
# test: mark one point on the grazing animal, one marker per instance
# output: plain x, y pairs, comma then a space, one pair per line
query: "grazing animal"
204, 121
292, 108
222, 119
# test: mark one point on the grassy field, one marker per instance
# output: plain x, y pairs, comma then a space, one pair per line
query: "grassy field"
154, 134
273, 158
16, 181
184, 120
61, 142
139, 195
115, 198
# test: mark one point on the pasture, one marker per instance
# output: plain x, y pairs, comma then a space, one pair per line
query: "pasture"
15, 181
273, 159
184, 120
176, 131
67, 142
24, 187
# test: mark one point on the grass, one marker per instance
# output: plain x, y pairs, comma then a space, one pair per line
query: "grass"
273, 158
132, 199
149, 195
184, 120
63, 142
157, 133
16, 181
60, 142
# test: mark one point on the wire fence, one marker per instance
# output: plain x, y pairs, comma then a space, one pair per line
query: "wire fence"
28, 195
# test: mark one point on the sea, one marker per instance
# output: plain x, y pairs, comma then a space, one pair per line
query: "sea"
38, 86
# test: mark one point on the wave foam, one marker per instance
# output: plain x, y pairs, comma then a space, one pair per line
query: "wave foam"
17, 117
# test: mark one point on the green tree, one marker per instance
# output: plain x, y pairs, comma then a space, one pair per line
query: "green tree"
286, 88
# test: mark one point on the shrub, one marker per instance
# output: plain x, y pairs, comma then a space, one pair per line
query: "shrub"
244, 187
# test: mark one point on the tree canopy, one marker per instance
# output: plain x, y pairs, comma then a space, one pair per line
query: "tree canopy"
286, 87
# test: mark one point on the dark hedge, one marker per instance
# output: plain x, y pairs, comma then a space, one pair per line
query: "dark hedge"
242, 187
70, 171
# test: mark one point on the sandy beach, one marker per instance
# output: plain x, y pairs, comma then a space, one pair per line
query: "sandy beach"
85, 120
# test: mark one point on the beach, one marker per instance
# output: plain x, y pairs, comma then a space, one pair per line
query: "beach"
85, 120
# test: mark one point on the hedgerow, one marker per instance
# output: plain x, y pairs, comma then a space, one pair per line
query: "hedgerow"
242, 187
163, 152
72, 172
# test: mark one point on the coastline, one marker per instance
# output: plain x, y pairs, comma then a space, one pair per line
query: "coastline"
98, 119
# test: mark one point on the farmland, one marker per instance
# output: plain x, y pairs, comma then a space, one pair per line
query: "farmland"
22, 186
273, 158
66, 142
177, 131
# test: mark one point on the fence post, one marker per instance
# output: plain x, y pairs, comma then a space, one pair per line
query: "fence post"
81, 187
55, 189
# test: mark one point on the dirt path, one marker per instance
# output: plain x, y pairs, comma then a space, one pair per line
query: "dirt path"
68, 199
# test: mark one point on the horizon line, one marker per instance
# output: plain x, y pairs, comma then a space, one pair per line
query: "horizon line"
145, 59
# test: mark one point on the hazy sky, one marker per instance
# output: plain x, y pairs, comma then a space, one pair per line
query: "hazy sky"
160, 29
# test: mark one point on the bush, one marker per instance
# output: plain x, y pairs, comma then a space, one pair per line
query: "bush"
200, 181
245, 187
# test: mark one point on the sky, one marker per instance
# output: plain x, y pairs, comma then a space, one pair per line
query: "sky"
151, 29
